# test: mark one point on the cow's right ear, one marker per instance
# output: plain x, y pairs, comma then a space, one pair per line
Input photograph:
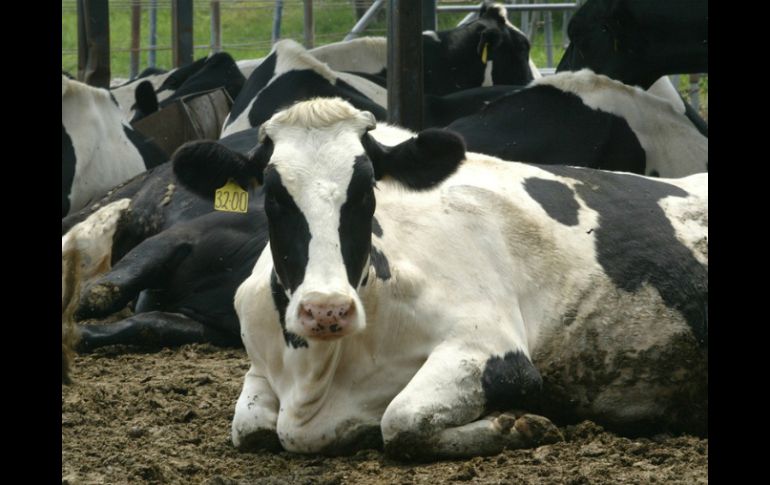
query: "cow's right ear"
146, 101
205, 166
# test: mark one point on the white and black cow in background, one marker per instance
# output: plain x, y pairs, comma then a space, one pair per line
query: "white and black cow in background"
290, 73
587, 120
149, 93
639, 41
412, 291
99, 148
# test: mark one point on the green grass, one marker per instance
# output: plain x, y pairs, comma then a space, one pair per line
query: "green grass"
247, 28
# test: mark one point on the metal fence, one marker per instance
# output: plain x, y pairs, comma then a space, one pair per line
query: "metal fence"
141, 31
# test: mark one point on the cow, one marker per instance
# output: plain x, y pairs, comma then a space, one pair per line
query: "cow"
147, 94
587, 120
99, 149
166, 250
364, 55
638, 41
431, 300
290, 73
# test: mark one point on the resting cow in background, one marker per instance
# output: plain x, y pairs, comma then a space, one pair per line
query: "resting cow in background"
463, 286
99, 148
167, 250
587, 120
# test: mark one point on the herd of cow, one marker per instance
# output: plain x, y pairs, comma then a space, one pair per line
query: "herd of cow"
539, 249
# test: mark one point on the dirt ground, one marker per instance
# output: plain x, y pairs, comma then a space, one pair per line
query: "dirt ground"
164, 417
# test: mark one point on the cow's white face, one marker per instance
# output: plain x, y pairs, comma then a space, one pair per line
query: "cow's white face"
319, 201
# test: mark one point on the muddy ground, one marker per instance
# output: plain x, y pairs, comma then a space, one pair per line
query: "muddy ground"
164, 417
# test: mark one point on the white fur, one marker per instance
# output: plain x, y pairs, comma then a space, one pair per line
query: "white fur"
126, 94
104, 155
672, 145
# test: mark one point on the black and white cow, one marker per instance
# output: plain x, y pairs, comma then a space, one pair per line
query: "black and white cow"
587, 120
146, 95
99, 148
290, 73
638, 41
412, 291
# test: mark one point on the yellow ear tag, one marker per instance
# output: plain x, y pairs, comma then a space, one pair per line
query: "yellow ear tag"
484, 53
231, 198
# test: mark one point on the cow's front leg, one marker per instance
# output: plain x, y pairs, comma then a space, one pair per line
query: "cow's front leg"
443, 411
256, 414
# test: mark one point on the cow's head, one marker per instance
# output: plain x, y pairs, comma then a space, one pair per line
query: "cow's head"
319, 167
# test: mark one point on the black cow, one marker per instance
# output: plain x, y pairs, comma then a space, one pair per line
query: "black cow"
638, 41
455, 59
170, 252
588, 120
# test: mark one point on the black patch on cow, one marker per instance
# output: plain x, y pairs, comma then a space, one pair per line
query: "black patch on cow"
380, 264
419, 163
68, 162
175, 80
254, 84
289, 231
510, 382
151, 153
281, 301
376, 227
543, 124
636, 243
218, 71
356, 216
556, 198
299, 85
243, 141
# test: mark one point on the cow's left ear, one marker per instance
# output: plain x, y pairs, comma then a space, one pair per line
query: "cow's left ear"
419, 163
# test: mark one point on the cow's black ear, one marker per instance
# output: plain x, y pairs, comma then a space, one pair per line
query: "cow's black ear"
419, 163
146, 100
205, 166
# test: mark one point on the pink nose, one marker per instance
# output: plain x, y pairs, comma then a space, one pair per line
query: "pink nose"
326, 320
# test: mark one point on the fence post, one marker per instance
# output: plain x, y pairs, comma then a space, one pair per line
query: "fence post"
695, 91
566, 16
405, 76
309, 27
216, 27
136, 29
94, 42
429, 21
277, 14
365, 19
182, 32
549, 38
152, 54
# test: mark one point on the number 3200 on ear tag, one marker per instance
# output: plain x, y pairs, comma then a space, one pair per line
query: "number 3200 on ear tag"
231, 198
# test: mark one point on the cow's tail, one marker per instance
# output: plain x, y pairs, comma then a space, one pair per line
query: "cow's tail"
69, 299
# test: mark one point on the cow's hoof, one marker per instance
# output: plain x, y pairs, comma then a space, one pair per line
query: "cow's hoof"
259, 440
537, 430
97, 301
